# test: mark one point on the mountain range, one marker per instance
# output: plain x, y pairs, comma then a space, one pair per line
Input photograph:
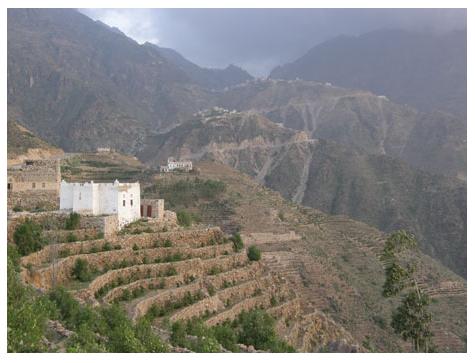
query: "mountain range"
80, 84
421, 69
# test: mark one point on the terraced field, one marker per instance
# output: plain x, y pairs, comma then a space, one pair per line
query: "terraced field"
177, 275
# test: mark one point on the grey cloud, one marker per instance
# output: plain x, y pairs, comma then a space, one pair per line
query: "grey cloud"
259, 39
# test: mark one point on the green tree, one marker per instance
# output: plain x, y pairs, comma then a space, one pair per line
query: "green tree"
253, 253
184, 218
27, 237
73, 221
412, 319
81, 270
238, 244
27, 314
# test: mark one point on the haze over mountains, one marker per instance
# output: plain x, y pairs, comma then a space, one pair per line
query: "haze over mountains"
395, 161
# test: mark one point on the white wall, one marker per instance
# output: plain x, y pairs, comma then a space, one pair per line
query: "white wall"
102, 198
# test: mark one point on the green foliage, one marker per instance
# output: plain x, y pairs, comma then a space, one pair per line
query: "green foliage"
256, 327
17, 208
396, 280
184, 218
238, 244
412, 319
135, 247
27, 237
27, 313
253, 253
71, 237
73, 221
226, 336
167, 243
188, 191
81, 270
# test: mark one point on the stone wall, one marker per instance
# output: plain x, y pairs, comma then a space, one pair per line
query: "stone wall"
33, 200
182, 238
61, 236
61, 271
34, 185
56, 220
152, 208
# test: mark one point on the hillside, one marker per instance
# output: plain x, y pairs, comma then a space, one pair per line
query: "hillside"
336, 179
80, 84
211, 78
331, 261
22, 144
435, 142
427, 71
318, 273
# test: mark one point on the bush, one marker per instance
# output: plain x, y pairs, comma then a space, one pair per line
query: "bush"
81, 270
73, 221
17, 208
27, 313
71, 237
226, 336
135, 247
253, 253
256, 328
238, 244
27, 237
167, 243
184, 218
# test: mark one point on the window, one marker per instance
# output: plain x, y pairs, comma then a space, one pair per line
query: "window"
131, 202
43, 185
9, 186
33, 185
123, 203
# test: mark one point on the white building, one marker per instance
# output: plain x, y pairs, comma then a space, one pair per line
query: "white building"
173, 164
92, 198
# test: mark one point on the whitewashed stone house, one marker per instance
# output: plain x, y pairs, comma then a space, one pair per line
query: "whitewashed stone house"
92, 198
173, 164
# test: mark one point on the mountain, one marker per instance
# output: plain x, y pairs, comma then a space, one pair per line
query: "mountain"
377, 189
80, 84
22, 144
435, 142
424, 70
211, 78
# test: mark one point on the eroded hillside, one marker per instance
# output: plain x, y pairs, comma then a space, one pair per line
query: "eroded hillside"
336, 179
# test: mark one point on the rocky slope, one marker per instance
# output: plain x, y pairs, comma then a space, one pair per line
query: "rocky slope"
22, 144
435, 142
80, 84
377, 189
428, 71
332, 262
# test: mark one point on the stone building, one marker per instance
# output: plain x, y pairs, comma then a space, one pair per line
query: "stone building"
173, 164
152, 208
34, 184
122, 199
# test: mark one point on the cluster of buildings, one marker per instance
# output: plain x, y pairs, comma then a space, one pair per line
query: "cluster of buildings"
39, 181
176, 165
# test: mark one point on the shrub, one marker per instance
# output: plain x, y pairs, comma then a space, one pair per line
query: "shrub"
17, 208
135, 247
73, 221
238, 244
27, 237
71, 237
253, 253
226, 336
184, 218
81, 270
167, 243
107, 246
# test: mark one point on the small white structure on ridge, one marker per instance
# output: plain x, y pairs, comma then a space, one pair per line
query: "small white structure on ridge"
92, 198
173, 164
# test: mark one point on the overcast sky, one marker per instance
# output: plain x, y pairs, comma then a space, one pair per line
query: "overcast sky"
260, 39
